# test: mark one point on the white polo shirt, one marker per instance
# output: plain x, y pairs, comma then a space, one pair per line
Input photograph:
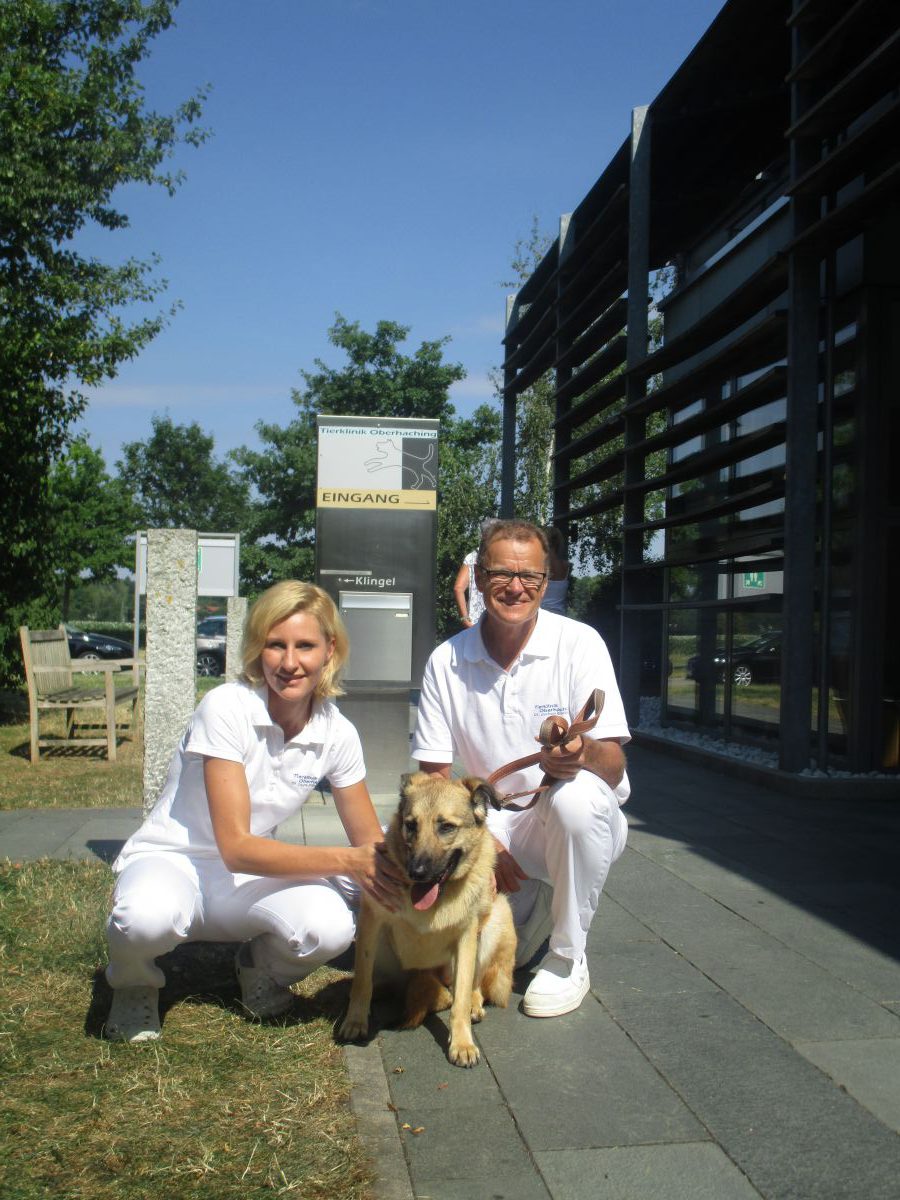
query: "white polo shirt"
232, 722
472, 709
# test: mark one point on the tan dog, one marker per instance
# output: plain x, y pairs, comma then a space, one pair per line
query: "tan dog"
452, 924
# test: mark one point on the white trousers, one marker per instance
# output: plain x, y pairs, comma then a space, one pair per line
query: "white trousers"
569, 839
161, 900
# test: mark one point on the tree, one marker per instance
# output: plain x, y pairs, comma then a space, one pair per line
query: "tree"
73, 128
177, 483
597, 540
600, 537
377, 379
92, 517
280, 542
535, 407
535, 447
468, 491
108, 600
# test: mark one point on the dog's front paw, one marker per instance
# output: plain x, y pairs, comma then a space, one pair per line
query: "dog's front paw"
464, 1054
354, 1027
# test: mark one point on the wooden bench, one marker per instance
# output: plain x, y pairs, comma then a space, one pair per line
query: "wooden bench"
49, 671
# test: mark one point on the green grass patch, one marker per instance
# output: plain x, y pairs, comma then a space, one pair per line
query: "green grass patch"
65, 776
70, 776
219, 1107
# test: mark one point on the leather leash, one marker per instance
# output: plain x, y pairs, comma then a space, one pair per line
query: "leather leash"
554, 731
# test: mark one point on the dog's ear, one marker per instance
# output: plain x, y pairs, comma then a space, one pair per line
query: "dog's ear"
482, 794
405, 781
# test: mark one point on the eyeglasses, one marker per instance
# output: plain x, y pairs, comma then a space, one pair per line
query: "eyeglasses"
502, 577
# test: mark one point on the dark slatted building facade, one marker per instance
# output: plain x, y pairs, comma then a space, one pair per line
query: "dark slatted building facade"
754, 449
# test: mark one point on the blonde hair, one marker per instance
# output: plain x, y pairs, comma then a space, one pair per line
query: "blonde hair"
277, 604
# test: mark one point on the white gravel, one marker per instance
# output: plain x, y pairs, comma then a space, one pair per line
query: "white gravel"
649, 723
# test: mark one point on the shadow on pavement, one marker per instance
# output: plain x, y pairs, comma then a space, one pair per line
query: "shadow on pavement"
838, 859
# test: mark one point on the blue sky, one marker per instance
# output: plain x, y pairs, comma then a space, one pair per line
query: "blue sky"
379, 158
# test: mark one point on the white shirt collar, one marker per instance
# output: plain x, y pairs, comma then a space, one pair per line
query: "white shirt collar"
315, 729
539, 645
256, 703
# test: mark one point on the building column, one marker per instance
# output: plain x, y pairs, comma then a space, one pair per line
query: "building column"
563, 432
798, 614
508, 443
635, 426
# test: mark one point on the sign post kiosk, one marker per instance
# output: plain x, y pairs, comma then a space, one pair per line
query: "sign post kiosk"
376, 532
376, 536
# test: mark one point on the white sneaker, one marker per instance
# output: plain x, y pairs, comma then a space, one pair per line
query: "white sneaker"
260, 994
558, 987
537, 927
133, 1015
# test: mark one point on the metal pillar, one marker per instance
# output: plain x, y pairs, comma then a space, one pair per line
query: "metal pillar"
798, 644
635, 389
508, 444
563, 433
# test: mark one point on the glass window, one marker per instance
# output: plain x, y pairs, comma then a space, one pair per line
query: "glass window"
759, 418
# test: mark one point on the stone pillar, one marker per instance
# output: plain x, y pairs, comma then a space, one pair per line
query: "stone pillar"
171, 687
237, 615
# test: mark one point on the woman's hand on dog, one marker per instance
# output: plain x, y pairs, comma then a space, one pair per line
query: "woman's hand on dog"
378, 876
507, 872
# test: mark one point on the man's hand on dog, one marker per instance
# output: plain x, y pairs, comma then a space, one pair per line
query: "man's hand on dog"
379, 876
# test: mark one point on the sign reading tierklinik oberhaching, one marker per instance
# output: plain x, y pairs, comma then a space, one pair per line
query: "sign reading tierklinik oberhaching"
368, 463
376, 532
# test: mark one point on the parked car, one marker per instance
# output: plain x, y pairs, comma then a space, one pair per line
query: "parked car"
211, 645
96, 645
758, 661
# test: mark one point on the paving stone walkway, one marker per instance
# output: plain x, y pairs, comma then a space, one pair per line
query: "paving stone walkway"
742, 1034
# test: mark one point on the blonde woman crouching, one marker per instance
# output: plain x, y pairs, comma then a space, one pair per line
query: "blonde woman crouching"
205, 865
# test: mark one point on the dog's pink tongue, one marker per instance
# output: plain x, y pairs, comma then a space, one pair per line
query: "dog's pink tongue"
423, 897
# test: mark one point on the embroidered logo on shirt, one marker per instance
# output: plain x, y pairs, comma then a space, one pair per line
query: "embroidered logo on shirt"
305, 783
548, 710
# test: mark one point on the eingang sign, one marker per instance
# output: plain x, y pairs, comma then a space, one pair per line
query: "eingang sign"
376, 538
376, 464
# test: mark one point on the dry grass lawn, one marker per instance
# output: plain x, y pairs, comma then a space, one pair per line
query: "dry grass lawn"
69, 776
220, 1107
65, 777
